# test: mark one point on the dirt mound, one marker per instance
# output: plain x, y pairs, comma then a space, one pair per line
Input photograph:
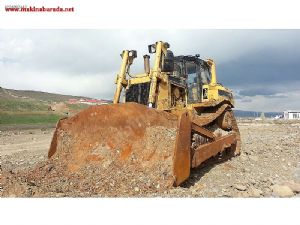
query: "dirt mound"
270, 156
50, 179
126, 146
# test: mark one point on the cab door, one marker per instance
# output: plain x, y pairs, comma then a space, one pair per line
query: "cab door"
193, 82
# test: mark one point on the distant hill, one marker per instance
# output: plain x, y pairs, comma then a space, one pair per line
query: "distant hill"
29, 107
253, 114
35, 95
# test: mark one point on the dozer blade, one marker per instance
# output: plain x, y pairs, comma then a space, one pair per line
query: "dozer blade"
128, 135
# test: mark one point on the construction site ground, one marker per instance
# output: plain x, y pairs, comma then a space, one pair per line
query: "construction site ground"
269, 166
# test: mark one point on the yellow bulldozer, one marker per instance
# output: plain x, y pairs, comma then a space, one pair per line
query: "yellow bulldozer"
174, 113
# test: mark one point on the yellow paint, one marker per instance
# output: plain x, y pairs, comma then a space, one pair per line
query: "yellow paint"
121, 77
160, 93
139, 80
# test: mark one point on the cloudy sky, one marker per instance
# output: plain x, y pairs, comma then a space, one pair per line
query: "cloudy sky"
260, 66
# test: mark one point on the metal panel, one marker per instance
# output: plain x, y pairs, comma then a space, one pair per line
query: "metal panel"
211, 149
182, 151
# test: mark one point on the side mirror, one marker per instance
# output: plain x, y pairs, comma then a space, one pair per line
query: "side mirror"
133, 53
152, 48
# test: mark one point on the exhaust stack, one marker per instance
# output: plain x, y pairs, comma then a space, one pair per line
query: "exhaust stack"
147, 64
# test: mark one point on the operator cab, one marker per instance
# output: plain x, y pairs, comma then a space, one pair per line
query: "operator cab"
187, 75
194, 72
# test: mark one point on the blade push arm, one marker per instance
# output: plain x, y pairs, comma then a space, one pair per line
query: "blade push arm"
153, 76
160, 50
127, 60
121, 77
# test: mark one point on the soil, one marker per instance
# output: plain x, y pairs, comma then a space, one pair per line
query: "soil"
270, 162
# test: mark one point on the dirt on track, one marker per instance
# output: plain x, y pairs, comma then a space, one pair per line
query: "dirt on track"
270, 160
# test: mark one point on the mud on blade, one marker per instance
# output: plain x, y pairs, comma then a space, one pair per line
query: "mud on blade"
126, 136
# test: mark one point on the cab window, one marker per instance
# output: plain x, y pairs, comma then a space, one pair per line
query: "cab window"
177, 70
205, 76
193, 82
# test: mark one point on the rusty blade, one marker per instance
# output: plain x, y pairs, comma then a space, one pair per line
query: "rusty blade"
129, 135
182, 149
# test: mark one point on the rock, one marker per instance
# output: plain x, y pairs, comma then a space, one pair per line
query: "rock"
271, 180
136, 189
49, 167
255, 192
253, 158
297, 174
31, 183
240, 187
295, 187
284, 167
243, 157
247, 170
282, 191
277, 147
252, 181
247, 152
243, 194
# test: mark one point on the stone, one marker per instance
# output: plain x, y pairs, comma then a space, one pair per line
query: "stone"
277, 147
243, 194
297, 174
136, 189
271, 181
243, 157
253, 158
49, 167
284, 167
240, 187
255, 192
252, 181
282, 191
31, 183
295, 187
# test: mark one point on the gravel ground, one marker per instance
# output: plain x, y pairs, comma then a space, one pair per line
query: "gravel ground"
269, 166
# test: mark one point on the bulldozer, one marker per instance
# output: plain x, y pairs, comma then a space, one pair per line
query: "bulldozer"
174, 113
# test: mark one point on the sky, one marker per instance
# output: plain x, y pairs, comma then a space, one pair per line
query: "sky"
260, 66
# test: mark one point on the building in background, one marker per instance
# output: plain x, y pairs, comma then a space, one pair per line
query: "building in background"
89, 101
291, 114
